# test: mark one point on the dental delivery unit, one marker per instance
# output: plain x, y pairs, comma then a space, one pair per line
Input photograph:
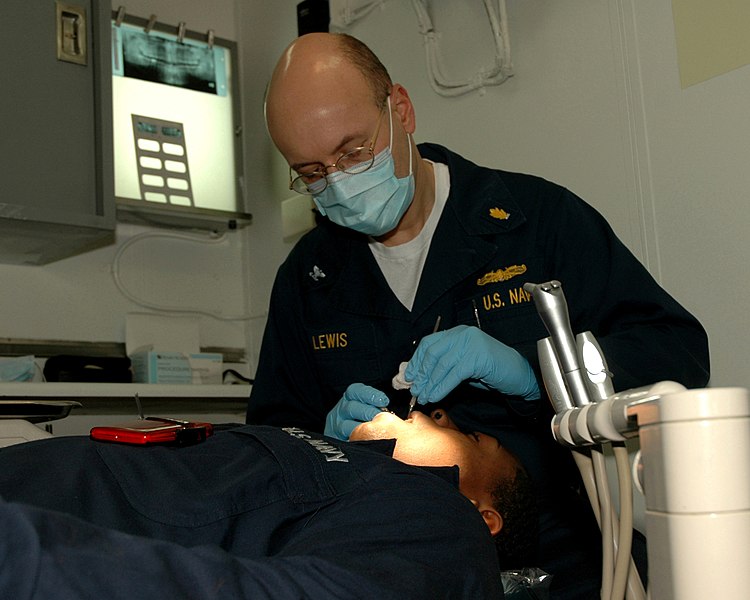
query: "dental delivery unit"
693, 466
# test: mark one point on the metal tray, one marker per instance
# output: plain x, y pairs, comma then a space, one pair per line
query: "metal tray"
36, 411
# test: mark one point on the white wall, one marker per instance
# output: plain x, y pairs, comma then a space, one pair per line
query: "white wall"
265, 29
698, 153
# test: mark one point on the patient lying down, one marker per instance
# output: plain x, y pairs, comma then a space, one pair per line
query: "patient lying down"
263, 512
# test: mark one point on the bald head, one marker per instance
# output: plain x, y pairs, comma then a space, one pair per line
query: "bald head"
320, 79
327, 51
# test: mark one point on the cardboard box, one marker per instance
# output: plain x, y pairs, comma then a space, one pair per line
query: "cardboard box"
176, 367
206, 367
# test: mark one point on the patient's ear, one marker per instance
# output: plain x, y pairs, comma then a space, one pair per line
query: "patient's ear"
493, 519
490, 515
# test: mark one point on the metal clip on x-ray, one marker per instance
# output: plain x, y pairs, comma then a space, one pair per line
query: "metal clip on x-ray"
692, 466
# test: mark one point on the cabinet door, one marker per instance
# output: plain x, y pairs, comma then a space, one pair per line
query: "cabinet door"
56, 190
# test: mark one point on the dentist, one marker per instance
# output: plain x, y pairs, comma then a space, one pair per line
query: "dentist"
410, 235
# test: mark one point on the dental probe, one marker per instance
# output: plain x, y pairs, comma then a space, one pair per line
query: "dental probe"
412, 404
413, 401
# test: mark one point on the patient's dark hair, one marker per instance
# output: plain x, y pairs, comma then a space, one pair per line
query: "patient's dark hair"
514, 498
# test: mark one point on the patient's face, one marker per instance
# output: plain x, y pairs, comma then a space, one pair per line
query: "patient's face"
435, 441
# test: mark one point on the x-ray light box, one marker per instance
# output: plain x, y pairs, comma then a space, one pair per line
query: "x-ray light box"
176, 127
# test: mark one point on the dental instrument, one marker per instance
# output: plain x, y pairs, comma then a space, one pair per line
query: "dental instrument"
413, 401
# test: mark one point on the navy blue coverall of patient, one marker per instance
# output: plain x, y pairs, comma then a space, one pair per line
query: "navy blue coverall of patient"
253, 512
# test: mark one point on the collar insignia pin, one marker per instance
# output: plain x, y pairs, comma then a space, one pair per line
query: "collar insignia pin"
316, 273
499, 213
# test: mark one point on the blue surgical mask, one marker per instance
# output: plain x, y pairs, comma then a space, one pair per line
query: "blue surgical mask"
371, 202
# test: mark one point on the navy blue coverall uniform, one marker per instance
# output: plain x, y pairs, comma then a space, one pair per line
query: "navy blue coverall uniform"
252, 512
333, 320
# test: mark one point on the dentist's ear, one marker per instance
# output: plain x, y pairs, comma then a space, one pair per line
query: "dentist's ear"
490, 515
401, 103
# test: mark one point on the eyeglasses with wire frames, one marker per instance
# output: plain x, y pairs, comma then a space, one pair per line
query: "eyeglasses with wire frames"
355, 161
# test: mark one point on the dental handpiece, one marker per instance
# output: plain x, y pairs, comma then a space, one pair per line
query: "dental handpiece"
553, 309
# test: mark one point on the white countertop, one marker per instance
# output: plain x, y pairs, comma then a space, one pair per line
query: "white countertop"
76, 391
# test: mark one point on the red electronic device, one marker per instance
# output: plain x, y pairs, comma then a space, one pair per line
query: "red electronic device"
154, 430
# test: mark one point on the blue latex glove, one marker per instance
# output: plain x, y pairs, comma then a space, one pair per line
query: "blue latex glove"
443, 360
359, 404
